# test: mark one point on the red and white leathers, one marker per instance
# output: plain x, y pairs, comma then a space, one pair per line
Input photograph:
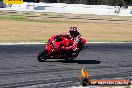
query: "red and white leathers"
71, 38
66, 35
69, 44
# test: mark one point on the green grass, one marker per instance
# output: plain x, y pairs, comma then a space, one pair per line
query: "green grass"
13, 17
23, 18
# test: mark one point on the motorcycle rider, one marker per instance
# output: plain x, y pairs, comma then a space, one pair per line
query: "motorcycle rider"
69, 40
73, 35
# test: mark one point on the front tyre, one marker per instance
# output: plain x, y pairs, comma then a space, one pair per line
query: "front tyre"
42, 56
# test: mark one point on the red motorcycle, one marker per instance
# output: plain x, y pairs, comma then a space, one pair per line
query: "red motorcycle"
53, 49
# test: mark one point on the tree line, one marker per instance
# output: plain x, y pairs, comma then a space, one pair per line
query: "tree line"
90, 2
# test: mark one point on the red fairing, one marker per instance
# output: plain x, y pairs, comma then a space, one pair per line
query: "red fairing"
49, 49
52, 38
53, 47
50, 41
66, 42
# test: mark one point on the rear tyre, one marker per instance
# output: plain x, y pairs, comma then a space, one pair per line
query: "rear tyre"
42, 56
72, 55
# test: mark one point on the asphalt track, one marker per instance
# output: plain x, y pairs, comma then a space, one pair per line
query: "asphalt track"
19, 67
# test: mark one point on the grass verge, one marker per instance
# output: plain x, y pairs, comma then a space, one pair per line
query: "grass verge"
28, 19
17, 28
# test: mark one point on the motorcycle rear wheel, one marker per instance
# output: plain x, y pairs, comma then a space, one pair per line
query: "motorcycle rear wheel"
42, 56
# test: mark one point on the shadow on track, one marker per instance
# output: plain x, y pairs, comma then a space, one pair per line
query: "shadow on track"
78, 61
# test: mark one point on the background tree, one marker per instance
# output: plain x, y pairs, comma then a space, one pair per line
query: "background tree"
91, 2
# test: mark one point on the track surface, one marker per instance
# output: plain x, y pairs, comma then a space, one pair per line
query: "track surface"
20, 68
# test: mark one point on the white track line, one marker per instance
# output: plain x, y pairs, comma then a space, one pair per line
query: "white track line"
33, 43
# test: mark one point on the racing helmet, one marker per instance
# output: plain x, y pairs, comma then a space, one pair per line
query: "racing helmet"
73, 31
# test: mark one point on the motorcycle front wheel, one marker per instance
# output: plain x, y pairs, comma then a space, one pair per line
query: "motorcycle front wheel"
42, 56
